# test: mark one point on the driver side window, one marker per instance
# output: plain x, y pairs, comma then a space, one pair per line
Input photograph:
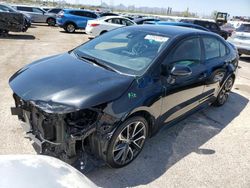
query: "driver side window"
188, 52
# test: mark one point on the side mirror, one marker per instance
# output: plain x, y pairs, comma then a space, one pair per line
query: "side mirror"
181, 70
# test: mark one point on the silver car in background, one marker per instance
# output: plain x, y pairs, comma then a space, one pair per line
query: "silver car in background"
37, 14
241, 38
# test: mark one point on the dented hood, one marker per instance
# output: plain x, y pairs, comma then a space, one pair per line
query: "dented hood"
67, 80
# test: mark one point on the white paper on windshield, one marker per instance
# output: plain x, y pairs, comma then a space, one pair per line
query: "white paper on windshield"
156, 38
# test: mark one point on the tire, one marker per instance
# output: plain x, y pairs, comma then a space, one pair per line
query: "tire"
224, 92
51, 21
125, 145
70, 28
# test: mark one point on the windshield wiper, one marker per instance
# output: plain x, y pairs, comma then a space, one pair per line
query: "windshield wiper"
96, 62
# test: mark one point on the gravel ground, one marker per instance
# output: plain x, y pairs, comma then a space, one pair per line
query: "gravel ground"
209, 149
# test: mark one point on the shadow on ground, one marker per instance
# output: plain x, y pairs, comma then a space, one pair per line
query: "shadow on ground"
18, 37
75, 33
171, 145
245, 58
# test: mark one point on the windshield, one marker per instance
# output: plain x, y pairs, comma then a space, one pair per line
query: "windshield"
244, 28
128, 51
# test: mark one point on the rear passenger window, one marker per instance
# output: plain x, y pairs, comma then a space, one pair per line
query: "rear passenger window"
27, 9
214, 48
37, 10
116, 21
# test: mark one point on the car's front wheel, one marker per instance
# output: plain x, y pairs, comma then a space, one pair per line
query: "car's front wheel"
127, 142
224, 93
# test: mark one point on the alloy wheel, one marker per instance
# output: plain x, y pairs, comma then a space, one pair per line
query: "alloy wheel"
70, 28
224, 93
129, 142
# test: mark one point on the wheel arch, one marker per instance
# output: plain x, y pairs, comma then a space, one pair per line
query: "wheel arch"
149, 117
50, 18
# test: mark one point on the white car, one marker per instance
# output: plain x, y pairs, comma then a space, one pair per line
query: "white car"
99, 26
241, 39
40, 171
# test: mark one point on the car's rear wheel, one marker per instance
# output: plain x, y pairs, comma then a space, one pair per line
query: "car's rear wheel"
51, 21
224, 93
127, 142
70, 28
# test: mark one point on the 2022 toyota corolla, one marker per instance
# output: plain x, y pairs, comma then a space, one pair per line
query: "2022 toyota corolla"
107, 96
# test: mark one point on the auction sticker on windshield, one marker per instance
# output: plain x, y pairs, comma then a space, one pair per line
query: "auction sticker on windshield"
156, 38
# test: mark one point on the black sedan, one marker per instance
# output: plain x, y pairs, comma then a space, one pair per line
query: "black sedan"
107, 96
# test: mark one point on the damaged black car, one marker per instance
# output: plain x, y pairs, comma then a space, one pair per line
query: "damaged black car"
12, 20
107, 96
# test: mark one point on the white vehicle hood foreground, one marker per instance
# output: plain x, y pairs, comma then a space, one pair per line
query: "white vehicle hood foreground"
29, 171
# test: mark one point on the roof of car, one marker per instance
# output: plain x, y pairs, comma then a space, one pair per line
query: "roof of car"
171, 31
181, 24
146, 18
84, 10
110, 17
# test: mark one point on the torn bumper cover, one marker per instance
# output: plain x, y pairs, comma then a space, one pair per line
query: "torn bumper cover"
67, 136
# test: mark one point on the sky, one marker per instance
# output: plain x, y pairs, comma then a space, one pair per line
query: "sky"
202, 7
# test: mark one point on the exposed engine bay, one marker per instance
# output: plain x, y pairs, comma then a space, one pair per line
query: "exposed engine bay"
71, 137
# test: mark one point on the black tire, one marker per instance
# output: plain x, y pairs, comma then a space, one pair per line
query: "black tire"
224, 92
70, 28
51, 21
138, 131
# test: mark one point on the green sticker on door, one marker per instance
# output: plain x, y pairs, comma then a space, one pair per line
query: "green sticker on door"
131, 95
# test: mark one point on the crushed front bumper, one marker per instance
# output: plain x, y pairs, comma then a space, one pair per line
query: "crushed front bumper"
56, 135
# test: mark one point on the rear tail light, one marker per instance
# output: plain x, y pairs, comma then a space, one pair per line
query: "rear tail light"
93, 24
60, 14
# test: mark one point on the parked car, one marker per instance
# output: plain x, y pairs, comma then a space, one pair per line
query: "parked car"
12, 20
37, 14
229, 28
241, 38
73, 19
102, 25
140, 21
181, 24
7, 8
17, 170
107, 96
211, 26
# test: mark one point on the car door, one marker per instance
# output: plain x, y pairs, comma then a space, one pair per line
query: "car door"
27, 10
39, 15
216, 60
82, 18
183, 93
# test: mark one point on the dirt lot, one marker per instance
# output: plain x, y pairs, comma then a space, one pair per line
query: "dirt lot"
209, 149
